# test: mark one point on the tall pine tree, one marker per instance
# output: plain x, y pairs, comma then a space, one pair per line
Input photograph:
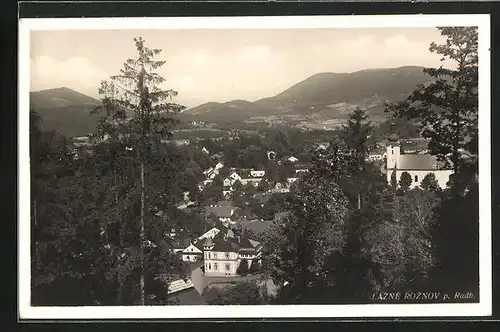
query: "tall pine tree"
139, 114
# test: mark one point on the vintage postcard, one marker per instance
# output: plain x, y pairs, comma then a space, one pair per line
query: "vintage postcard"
254, 167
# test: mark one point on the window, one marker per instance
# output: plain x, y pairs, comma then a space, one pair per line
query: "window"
392, 151
215, 255
227, 255
209, 255
209, 266
416, 178
228, 267
215, 266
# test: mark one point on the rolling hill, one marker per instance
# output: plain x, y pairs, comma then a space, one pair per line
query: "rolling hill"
65, 110
237, 110
322, 97
320, 101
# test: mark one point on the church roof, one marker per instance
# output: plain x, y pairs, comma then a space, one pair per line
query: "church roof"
208, 242
417, 162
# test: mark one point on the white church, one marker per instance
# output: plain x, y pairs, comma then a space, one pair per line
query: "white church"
417, 165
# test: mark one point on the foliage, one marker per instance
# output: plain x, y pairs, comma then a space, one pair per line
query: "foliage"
90, 212
243, 269
404, 128
244, 293
401, 245
405, 182
264, 186
394, 180
224, 172
455, 241
255, 267
430, 183
307, 240
447, 107
357, 131
285, 170
213, 192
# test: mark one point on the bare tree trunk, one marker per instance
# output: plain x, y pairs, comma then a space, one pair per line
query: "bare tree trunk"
34, 211
143, 138
142, 233
116, 189
359, 201
33, 232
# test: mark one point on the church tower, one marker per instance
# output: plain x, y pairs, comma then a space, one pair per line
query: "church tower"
393, 150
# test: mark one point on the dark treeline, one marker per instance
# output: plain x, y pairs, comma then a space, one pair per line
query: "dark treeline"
347, 234
251, 151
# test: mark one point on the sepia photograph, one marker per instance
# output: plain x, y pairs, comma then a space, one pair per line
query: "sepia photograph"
255, 167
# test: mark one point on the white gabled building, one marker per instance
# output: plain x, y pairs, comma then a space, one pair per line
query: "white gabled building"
211, 233
417, 165
254, 181
227, 182
257, 174
234, 176
212, 172
223, 254
193, 253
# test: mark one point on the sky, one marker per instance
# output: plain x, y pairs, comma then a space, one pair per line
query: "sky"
223, 65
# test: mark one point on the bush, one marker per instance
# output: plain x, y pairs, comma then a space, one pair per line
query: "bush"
242, 269
255, 267
244, 293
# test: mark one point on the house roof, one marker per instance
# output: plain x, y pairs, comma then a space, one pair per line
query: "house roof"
181, 243
198, 244
246, 244
257, 173
417, 162
208, 242
251, 180
225, 246
258, 226
220, 211
210, 230
178, 285
230, 243
254, 243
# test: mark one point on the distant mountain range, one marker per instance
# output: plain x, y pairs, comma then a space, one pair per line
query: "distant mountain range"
322, 99
65, 110
324, 96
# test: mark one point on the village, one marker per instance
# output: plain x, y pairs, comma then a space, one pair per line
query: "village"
228, 251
